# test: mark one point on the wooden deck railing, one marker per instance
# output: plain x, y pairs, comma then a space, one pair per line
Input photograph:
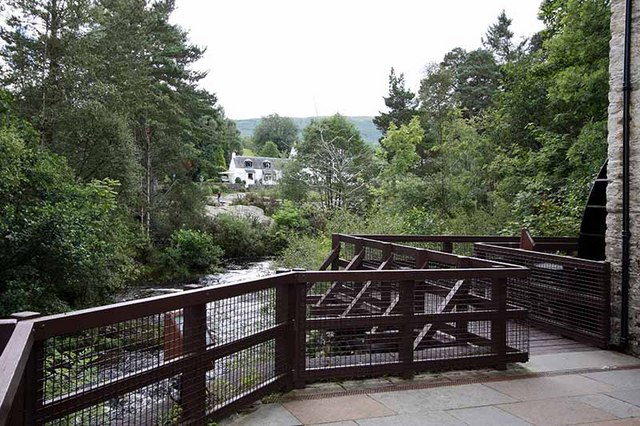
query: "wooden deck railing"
107, 365
463, 244
564, 294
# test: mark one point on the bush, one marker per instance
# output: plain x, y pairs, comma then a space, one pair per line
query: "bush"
245, 238
190, 253
268, 204
290, 217
305, 252
65, 245
307, 218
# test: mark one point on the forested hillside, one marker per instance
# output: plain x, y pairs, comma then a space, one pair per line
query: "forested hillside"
365, 126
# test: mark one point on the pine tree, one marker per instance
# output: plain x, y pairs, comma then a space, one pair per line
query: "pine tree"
401, 103
498, 41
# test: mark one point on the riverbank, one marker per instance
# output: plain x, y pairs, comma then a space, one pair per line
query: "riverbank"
234, 271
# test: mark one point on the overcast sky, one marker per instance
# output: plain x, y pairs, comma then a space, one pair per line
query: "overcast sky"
303, 58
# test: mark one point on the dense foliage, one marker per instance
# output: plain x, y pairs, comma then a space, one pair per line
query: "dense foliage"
505, 136
280, 131
122, 137
63, 243
514, 131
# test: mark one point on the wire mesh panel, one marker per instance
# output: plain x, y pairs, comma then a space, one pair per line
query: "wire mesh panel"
344, 331
564, 294
240, 373
241, 316
364, 327
75, 366
461, 336
187, 364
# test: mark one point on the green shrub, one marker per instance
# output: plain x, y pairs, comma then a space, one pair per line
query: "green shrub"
245, 238
305, 252
290, 217
190, 252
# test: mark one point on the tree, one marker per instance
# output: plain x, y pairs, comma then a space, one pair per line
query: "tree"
338, 161
63, 244
109, 86
477, 79
401, 103
280, 130
498, 41
294, 184
402, 142
436, 105
270, 149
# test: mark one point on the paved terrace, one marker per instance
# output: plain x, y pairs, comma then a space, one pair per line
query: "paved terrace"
564, 383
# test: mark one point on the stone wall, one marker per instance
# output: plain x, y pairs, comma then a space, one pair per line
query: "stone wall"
614, 190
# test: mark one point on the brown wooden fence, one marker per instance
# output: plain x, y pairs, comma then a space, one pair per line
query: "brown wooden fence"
564, 294
463, 244
238, 342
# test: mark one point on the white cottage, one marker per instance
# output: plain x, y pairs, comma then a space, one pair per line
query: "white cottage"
253, 170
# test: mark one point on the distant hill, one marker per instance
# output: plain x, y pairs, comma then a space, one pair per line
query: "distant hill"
364, 124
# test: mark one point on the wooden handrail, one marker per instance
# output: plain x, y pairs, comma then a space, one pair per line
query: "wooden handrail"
458, 238
13, 362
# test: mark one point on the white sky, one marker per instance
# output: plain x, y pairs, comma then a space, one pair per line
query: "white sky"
303, 58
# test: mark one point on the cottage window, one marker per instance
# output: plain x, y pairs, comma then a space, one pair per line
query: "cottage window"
248, 163
250, 176
266, 164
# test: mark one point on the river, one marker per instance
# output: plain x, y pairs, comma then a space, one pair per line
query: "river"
235, 271
227, 320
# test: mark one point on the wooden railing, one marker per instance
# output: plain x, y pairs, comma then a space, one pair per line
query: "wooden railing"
463, 244
238, 342
564, 294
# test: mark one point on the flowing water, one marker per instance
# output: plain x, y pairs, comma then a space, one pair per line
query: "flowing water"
234, 272
227, 320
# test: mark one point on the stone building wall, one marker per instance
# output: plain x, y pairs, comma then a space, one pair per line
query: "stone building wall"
614, 190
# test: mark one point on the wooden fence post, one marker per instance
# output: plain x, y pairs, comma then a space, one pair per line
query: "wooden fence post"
285, 342
405, 352
193, 389
447, 246
499, 322
299, 341
30, 395
335, 244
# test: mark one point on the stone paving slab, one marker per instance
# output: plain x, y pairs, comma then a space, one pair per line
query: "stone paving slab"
550, 387
559, 411
630, 396
578, 360
337, 409
622, 422
621, 380
426, 418
266, 415
442, 398
611, 405
487, 416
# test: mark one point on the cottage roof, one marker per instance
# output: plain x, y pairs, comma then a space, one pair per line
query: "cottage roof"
258, 162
